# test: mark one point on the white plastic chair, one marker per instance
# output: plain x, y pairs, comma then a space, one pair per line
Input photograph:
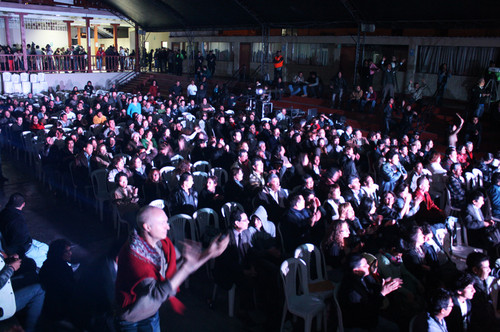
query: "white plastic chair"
100, 189
201, 166
227, 209
469, 180
202, 220
200, 180
448, 208
158, 203
317, 280
176, 159
178, 229
340, 323
221, 175
300, 303
280, 238
168, 175
478, 178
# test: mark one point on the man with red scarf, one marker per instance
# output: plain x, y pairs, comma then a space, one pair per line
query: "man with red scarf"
147, 274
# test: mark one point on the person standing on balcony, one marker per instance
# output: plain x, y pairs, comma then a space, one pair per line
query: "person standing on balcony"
278, 65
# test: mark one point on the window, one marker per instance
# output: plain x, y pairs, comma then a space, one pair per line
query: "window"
310, 54
258, 51
222, 51
467, 61
164, 44
377, 52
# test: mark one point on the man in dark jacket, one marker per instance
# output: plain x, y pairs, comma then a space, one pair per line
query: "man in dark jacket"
16, 237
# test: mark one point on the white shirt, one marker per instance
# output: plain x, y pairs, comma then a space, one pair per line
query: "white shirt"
192, 89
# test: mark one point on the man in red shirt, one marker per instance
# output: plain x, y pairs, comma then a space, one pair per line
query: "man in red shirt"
147, 273
428, 211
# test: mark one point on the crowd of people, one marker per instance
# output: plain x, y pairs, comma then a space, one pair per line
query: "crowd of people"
373, 203
61, 59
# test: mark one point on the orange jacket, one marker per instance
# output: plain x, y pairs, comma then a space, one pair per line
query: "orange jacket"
278, 61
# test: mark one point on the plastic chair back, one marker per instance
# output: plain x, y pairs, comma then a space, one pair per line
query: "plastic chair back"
294, 274
178, 225
201, 166
221, 175
99, 183
176, 160
307, 252
202, 219
227, 209
159, 203
200, 180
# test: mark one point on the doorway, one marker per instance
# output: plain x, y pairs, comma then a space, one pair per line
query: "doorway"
245, 58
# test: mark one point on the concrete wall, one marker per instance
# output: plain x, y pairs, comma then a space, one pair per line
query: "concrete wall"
60, 39
68, 81
155, 39
458, 86
39, 37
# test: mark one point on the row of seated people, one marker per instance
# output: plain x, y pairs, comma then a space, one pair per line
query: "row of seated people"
320, 167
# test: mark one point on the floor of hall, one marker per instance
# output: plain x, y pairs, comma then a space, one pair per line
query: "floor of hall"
52, 216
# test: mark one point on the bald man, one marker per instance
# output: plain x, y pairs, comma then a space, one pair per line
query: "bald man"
147, 273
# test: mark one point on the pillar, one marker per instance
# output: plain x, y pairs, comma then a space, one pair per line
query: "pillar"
78, 35
411, 63
7, 30
89, 53
23, 40
96, 38
137, 50
68, 27
115, 34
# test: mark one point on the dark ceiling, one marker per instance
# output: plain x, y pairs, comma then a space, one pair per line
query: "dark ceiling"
175, 15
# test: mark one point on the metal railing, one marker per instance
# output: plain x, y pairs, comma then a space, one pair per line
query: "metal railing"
66, 63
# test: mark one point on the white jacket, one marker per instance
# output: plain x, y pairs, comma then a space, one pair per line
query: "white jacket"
7, 299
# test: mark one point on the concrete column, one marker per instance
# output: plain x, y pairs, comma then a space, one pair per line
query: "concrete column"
137, 49
411, 63
236, 61
78, 35
89, 53
23, 40
7, 30
68, 27
115, 34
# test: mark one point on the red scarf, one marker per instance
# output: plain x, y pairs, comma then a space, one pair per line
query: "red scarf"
138, 261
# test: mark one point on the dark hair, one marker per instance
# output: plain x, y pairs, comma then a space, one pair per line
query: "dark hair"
475, 259
421, 179
151, 172
439, 300
235, 215
57, 248
475, 195
449, 150
462, 280
305, 177
400, 188
354, 261
495, 178
411, 236
235, 170
183, 178
16, 200
294, 199
365, 207
455, 166
119, 175
426, 228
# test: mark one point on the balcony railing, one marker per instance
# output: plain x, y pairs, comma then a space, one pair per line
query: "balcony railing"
66, 63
